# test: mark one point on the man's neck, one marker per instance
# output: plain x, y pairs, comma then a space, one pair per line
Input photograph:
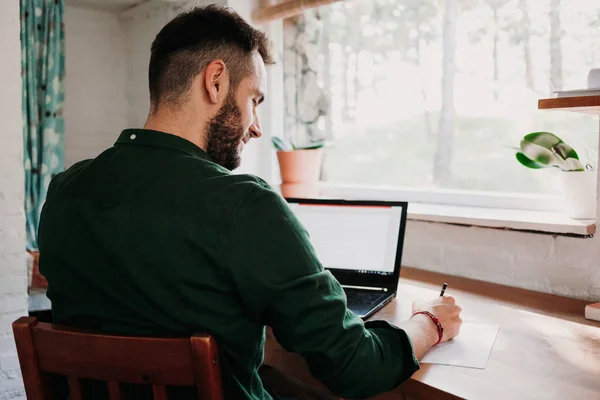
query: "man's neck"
178, 125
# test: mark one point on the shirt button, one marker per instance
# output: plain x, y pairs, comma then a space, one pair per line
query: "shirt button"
132, 136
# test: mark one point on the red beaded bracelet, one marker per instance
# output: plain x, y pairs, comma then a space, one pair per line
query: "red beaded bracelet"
437, 323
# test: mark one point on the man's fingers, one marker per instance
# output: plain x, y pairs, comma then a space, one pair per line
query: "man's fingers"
449, 300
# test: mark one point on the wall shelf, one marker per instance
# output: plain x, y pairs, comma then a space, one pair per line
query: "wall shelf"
582, 104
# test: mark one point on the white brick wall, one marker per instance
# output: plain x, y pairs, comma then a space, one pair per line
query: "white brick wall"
552, 264
95, 94
140, 29
13, 276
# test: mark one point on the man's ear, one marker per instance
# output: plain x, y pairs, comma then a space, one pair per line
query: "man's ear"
216, 81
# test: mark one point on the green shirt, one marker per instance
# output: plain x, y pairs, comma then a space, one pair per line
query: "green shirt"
153, 238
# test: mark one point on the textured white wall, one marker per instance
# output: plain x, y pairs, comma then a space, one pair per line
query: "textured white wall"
140, 29
95, 96
552, 264
13, 275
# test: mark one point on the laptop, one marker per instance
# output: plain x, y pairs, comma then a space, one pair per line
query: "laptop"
360, 242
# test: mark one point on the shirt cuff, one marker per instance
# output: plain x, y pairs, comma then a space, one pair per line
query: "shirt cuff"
409, 362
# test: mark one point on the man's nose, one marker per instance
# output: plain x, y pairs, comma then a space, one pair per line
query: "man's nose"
255, 130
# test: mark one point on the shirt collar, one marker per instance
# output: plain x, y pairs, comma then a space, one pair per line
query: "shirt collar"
147, 137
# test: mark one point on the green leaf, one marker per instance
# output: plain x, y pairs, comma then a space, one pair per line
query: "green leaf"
565, 151
549, 150
545, 139
522, 158
572, 164
281, 145
545, 149
537, 153
310, 147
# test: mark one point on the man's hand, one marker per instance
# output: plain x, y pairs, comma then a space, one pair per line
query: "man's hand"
446, 311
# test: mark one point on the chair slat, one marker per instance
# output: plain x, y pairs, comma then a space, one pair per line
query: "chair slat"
207, 367
159, 392
75, 388
114, 391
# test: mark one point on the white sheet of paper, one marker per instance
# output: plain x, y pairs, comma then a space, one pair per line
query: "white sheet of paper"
471, 348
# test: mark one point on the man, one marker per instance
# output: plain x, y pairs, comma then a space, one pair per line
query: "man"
156, 236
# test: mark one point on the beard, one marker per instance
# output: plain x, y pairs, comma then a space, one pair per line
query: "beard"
225, 131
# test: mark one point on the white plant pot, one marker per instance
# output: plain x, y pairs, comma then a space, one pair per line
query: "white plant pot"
579, 188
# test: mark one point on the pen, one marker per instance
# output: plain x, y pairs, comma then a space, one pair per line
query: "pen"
443, 289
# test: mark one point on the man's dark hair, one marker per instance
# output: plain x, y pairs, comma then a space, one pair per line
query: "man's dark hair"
193, 39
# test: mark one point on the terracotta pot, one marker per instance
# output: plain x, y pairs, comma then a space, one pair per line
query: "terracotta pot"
300, 190
37, 280
300, 166
300, 172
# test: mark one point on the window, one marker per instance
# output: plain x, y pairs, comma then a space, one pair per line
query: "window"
430, 95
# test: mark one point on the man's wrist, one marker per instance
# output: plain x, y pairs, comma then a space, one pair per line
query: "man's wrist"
428, 328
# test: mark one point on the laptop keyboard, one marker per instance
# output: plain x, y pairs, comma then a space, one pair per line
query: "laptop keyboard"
357, 297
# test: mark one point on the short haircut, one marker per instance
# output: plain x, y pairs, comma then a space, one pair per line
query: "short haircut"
192, 40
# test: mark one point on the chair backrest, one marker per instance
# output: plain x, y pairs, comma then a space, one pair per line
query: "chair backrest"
45, 349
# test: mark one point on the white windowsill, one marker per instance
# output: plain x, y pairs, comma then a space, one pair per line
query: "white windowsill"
501, 218
500, 211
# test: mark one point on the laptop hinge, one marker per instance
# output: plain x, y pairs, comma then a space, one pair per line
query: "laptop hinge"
376, 289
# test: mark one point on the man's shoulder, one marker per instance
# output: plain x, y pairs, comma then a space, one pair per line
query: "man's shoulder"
62, 178
256, 198
247, 183
245, 189
77, 167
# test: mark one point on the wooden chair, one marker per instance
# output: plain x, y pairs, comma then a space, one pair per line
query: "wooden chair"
50, 349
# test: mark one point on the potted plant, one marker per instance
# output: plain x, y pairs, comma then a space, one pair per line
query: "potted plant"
300, 167
546, 150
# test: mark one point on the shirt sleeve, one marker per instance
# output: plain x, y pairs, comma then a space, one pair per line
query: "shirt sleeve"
283, 285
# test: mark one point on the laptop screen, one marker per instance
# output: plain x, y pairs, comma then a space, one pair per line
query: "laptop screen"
360, 238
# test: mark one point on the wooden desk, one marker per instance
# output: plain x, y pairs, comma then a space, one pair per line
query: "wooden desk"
545, 348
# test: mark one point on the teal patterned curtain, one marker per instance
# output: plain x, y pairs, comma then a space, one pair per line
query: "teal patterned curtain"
43, 71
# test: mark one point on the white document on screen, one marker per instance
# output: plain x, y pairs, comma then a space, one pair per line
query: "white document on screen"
353, 237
